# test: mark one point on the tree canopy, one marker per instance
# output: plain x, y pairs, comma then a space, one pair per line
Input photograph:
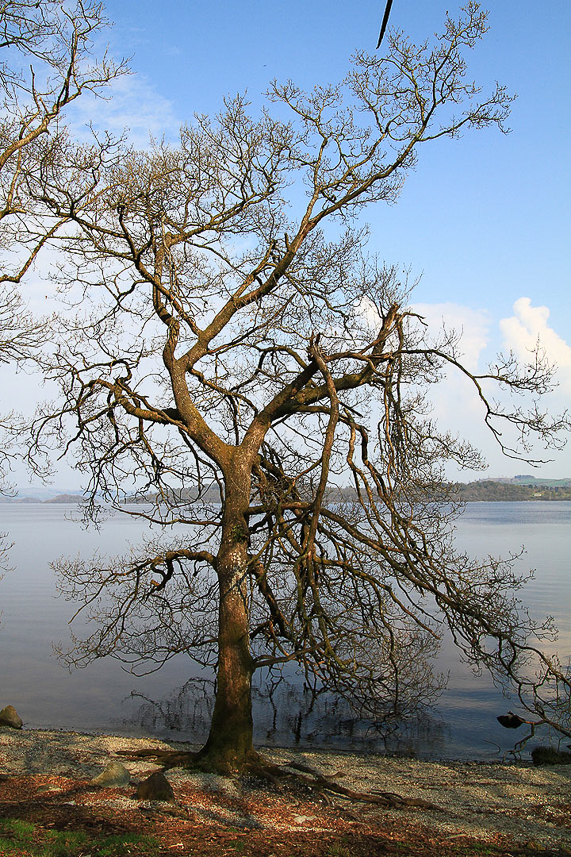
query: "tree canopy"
234, 355
46, 63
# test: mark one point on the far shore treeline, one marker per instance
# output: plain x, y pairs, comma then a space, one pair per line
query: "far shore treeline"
514, 489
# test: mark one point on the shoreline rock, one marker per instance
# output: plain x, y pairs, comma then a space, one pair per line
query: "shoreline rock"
156, 787
10, 717
114, 775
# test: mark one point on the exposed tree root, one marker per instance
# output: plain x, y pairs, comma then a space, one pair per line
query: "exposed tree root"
258, 766
200, 761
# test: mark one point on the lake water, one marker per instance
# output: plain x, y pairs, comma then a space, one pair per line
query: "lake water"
100, 697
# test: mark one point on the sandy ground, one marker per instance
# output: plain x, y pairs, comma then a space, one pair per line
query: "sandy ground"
527, 804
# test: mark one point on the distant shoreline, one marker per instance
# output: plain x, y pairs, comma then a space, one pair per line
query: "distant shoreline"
510, 490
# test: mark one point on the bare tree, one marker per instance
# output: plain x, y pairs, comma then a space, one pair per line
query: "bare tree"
46, 63
235, 358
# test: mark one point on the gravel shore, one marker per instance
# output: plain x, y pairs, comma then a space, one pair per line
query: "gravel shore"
520, 801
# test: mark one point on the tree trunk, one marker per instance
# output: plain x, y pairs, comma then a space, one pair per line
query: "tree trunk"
230, 743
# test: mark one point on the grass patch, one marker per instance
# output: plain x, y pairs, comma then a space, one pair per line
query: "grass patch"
338, 849
61, 843
118, 846
15, 834
21, 836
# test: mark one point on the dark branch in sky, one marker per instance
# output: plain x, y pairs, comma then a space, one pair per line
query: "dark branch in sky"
385, 21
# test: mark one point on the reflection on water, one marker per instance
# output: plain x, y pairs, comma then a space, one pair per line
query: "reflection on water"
184, 713
105, 697
289, 714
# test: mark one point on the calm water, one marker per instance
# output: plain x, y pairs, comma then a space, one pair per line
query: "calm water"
100, 696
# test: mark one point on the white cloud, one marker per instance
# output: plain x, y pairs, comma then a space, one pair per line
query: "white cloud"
455, 403
133, 104
472, 324
522, 331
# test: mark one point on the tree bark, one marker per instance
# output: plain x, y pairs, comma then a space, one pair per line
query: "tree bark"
230, 742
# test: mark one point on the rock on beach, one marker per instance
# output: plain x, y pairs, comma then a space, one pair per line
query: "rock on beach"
113, 775
10, 717
155, 787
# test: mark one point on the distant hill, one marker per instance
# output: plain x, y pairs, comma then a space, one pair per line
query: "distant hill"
18, 499
65, 498
518, 488
528, 479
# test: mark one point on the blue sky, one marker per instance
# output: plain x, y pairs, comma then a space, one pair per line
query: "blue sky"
484, 219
